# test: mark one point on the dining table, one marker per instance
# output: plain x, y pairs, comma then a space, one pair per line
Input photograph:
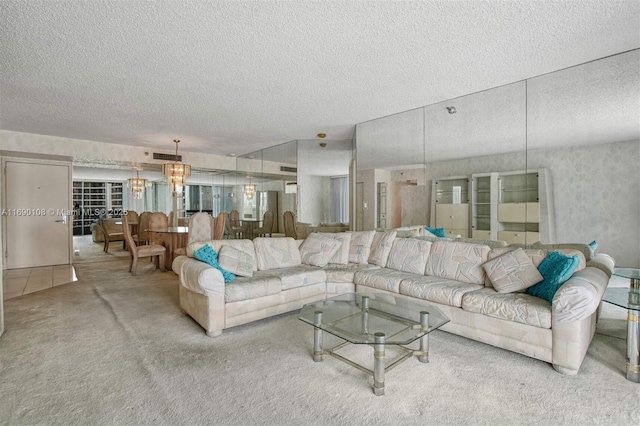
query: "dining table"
249, 225
175, 238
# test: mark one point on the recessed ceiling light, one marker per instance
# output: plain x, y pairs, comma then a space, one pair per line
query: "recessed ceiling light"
232, 155
452, 110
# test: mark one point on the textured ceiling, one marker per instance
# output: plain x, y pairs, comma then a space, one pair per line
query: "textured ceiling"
234, 77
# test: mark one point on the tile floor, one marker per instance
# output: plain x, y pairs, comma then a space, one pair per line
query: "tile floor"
16, 282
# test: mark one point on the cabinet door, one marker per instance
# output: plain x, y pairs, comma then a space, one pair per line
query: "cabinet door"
443, 216
481, 235
460, 216
519, 212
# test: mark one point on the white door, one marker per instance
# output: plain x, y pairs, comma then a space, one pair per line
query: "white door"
38, 230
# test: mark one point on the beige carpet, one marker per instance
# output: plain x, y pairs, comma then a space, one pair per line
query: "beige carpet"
115, 349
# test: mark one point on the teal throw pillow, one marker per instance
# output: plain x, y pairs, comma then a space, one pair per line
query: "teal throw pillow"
209, 256
438, 232
553, 268
568, 272
593, 245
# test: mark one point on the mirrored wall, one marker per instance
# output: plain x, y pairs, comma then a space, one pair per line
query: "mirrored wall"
553, 158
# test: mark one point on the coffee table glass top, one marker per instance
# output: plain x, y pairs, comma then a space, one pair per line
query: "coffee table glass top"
345, 316
630, 273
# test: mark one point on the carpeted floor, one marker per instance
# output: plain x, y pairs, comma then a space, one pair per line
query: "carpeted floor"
116, 349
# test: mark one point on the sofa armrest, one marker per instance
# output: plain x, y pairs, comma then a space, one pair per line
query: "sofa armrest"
580, 296
201, 278
604, 262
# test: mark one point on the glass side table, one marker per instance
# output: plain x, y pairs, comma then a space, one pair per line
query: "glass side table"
629, 298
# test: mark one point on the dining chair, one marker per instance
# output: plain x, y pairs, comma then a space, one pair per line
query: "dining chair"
155, 251
110, 231
143, 229
267, 225
237, 229
289, 220
157, 220
220, 227
200, 230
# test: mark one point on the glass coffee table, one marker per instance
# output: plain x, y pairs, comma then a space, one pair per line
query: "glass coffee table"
377, 320
629, 298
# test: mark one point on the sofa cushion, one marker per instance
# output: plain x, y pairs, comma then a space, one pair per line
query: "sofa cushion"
381, 247
513, 271
236, 261
409, 255
209, 256
342, 255
259, 285
242, 245
318, 250
516, 307
436, 289
273, 253
338, 273
553, 268
382, 279
587, 250
360, 246
298, 276
457, 261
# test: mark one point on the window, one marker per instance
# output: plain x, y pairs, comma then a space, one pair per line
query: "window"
340, 199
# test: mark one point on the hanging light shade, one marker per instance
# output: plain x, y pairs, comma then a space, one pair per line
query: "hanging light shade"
249, 191
137, 185
176, 172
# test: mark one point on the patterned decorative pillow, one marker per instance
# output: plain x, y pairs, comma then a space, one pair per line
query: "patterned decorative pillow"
342, 255
209, 256
236, 261
272, 253
409, 255
457, 261
381, 247
317, 250
360, 247
552, 268
511, 272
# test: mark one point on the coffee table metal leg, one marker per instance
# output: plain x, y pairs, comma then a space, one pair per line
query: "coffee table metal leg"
378, 364
317, 337
633, 346
424, 340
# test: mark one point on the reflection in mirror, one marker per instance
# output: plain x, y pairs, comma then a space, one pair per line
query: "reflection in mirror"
584, 127
475, 163
323, 181
575, 131
390, 181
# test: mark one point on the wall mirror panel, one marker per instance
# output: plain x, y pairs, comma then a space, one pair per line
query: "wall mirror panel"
390, 184
575, 132
323, 181
475, 160
584, 127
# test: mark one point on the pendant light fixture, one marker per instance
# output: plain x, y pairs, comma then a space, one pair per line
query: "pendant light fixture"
176, 172
137, 185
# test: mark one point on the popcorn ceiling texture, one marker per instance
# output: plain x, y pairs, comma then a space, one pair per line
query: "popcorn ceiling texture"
234, 77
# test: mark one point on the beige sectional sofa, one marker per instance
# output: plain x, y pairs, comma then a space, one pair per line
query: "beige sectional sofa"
287, 273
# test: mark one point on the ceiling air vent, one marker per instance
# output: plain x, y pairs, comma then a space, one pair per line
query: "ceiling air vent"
288, 169
167, 157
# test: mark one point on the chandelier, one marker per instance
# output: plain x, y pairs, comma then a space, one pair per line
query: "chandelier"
176, 172
137, 185
249, 191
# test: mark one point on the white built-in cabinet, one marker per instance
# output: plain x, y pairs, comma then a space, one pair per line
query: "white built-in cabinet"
450, 205
516, 206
